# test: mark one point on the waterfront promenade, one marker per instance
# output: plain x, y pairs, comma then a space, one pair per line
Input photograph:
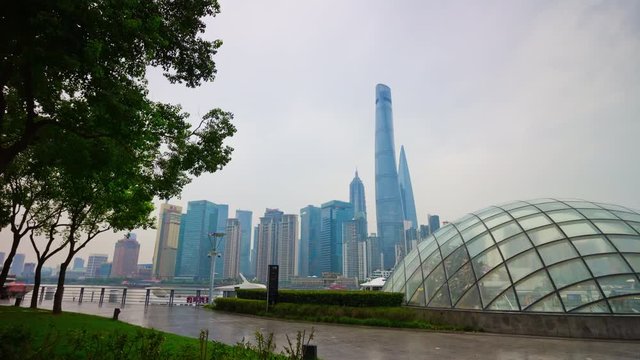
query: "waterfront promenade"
357, 342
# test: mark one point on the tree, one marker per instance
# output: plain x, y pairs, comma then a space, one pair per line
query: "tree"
73, 101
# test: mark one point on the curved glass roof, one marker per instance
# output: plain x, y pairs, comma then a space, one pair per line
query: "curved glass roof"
543, 255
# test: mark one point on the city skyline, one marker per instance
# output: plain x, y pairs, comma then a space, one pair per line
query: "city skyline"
494, 101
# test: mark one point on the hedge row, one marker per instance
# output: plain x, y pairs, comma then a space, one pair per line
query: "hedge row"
373, 316
328, 297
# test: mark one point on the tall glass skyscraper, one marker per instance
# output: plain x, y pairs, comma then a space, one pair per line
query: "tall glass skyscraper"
390, 218
244, 216
333, 215
309, 241
193, 244
406, 191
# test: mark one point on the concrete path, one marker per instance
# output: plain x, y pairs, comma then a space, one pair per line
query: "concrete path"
357, 342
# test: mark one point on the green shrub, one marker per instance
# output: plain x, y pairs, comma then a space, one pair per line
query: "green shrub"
328, 297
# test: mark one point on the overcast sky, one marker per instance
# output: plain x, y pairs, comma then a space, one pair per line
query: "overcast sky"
493, 101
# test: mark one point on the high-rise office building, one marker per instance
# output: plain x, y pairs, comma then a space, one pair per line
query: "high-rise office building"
333, 215
254, 251
231, 255
267, 242
352, 244
166, 248
221, 225
17, 265
287, 253
125, 257
374, 254
310, 223
195, 242
245, 217
434, 223
406, 191
78, 263
93, 265
29, 269
388, 203
357, 201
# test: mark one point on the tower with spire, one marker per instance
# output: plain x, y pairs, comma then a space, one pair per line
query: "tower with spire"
406, 191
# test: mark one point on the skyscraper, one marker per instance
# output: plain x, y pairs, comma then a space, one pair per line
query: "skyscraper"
333, 215
374, 254
350, 249
231, 256
17, 265
287, 255
357, 201
93, 264
125, 257
434, 223
406, 191
267, 242
245, 217
309, 241
221, 226
166, 248
388, 202
194, 243
78, 263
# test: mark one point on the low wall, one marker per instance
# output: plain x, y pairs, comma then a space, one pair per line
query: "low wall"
594, 326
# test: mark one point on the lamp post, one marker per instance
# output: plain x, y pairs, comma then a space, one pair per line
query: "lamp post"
215, 239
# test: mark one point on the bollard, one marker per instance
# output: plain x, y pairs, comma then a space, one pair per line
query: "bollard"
309, 352
116, 312
18, 301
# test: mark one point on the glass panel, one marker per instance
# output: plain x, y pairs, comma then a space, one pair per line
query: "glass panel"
565, 215
488, 212
431, 263
460, 282
552, 206
486, 262
627, 215
441, 299
568, 273
413, 283
533, 288
626, 243
549, 304
451, 245
556, 252
582, 205
593, 245
545, 235
607, 265
443, 230
515, 245
411, 262
599, 307
626, 305
428, 250
504, 231
467, 221
418, 297
635, 226
597, 214
634, 261
479, 244
434, 281
507, 301
619, 285
580, 294
524, 211
397, 279
534, 221
614, 227
456, 260
578, 229
473, 231
612, 207
493, 284
540, 201
514, 205
523, 265
470, 300
497, 220
451, 232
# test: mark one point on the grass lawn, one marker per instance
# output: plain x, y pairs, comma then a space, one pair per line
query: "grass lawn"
38, 334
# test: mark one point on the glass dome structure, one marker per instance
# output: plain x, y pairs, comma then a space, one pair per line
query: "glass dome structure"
544, 255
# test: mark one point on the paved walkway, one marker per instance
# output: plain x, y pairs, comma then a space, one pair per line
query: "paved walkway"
356, 342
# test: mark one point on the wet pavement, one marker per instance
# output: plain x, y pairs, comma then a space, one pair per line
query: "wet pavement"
359, 342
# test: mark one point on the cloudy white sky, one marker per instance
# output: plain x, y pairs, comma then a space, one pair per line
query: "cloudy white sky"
493, 101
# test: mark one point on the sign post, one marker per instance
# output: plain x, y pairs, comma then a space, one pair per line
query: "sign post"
272, 286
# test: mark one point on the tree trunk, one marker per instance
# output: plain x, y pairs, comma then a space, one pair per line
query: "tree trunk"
37, 279
57, 300
9, 260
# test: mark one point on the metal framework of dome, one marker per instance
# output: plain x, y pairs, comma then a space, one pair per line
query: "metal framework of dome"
543, 255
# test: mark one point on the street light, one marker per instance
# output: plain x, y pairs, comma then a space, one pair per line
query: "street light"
214, 239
